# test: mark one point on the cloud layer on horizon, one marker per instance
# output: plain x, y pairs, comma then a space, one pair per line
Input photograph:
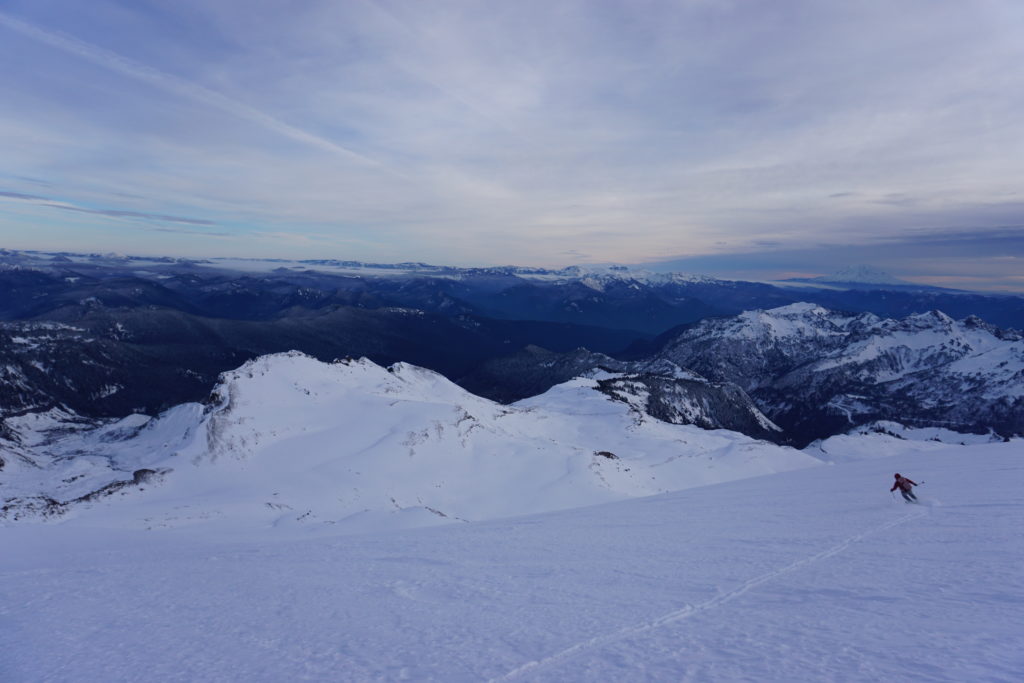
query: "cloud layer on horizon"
533, 133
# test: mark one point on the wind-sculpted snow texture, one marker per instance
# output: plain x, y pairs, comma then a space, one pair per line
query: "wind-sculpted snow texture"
816, 574
816, 372
286, 439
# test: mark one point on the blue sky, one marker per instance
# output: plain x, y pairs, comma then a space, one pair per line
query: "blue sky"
754, 138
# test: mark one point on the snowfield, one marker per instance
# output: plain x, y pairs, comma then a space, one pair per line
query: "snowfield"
810, 574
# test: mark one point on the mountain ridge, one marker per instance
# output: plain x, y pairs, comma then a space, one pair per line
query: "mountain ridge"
286, 438
816, 372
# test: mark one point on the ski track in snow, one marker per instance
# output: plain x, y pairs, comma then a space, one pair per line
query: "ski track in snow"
694, 610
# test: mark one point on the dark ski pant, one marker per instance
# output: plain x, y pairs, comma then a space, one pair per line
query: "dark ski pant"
908, 496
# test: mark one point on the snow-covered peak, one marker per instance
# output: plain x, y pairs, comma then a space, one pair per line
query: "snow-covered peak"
798, 321
267, 379
286, 439
800, 308
813, 371
930, 319
598, 277
804, 321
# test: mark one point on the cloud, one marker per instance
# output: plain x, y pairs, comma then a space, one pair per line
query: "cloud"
530, 132
118, 213
26, 197
178, 86
203, 233
49, 202
979, 259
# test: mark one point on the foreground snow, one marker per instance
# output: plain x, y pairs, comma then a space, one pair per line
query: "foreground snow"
813, 574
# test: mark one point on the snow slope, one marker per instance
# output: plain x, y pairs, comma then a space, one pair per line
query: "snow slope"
811, 574
351, 445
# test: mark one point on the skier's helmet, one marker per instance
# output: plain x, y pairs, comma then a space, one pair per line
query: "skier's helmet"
897, 475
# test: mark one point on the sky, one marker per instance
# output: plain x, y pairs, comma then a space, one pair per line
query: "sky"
739, 138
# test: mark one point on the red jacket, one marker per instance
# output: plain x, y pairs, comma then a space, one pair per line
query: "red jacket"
903, 483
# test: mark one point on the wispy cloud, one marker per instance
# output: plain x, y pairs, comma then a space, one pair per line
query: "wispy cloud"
51, 203
973, 259
201, 233
119, 213
178, 86
23, 196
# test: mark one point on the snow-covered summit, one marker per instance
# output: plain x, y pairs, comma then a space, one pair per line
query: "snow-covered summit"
792, 325
601, 277
352, 445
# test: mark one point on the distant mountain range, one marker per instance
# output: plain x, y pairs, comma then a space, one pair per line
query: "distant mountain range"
38, 286
815, 372
106, 336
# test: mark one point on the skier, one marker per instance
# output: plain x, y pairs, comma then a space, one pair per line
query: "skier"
906, 488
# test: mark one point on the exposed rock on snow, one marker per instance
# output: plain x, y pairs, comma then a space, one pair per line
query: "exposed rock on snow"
690, 400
